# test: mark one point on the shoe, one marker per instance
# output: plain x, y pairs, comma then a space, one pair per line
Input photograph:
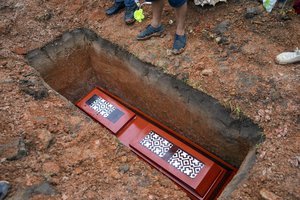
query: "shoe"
4, 187
115, 8
129, 14
288, 57
179, 44
149, 32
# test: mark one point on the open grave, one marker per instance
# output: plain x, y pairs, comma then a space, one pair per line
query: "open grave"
79, 61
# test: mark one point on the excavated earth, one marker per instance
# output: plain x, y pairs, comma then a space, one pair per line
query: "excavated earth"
49, 149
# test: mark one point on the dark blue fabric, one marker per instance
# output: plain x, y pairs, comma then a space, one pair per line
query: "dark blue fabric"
174, 3
128, 3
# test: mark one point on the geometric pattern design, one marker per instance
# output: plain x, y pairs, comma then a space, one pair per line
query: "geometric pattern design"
186, 163
102, 107
157, 144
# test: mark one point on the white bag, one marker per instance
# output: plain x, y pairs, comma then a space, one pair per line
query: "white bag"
210, 2
269, 4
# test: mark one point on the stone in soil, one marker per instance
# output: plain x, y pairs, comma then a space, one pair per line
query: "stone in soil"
207, 72
116, 175
267, 195
222, 40
124, 168
45, 137
44, 188
222, 27
34, 88
252, 12
18, 150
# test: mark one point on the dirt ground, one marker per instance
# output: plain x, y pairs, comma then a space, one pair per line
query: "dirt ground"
51, 150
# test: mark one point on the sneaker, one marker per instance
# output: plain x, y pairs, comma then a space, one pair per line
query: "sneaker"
115, 8
4, 187
288, 57
150, 31
129, 14
179, 44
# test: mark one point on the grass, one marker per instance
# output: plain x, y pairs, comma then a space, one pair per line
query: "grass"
233, 108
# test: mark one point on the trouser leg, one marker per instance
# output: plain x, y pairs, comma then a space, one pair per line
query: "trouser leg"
129, 3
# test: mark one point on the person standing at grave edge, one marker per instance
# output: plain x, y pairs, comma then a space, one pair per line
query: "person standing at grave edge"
156, 28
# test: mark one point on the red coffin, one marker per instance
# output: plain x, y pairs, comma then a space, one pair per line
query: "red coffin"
197, 171
104, 109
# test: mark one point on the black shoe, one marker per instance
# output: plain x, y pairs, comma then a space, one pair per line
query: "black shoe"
115, 8
129, 14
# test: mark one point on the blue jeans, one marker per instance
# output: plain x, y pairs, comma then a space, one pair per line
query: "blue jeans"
128, 3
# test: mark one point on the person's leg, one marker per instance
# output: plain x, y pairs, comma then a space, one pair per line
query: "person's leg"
128, 3
118, 5
130, 7
155, 28
180, 19
180, 37
157, 8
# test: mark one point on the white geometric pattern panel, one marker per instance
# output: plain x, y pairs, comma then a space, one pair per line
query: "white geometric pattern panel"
186, 163
102, 107
156, 144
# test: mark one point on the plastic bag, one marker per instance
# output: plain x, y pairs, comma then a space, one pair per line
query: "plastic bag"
139, 13
269, 4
